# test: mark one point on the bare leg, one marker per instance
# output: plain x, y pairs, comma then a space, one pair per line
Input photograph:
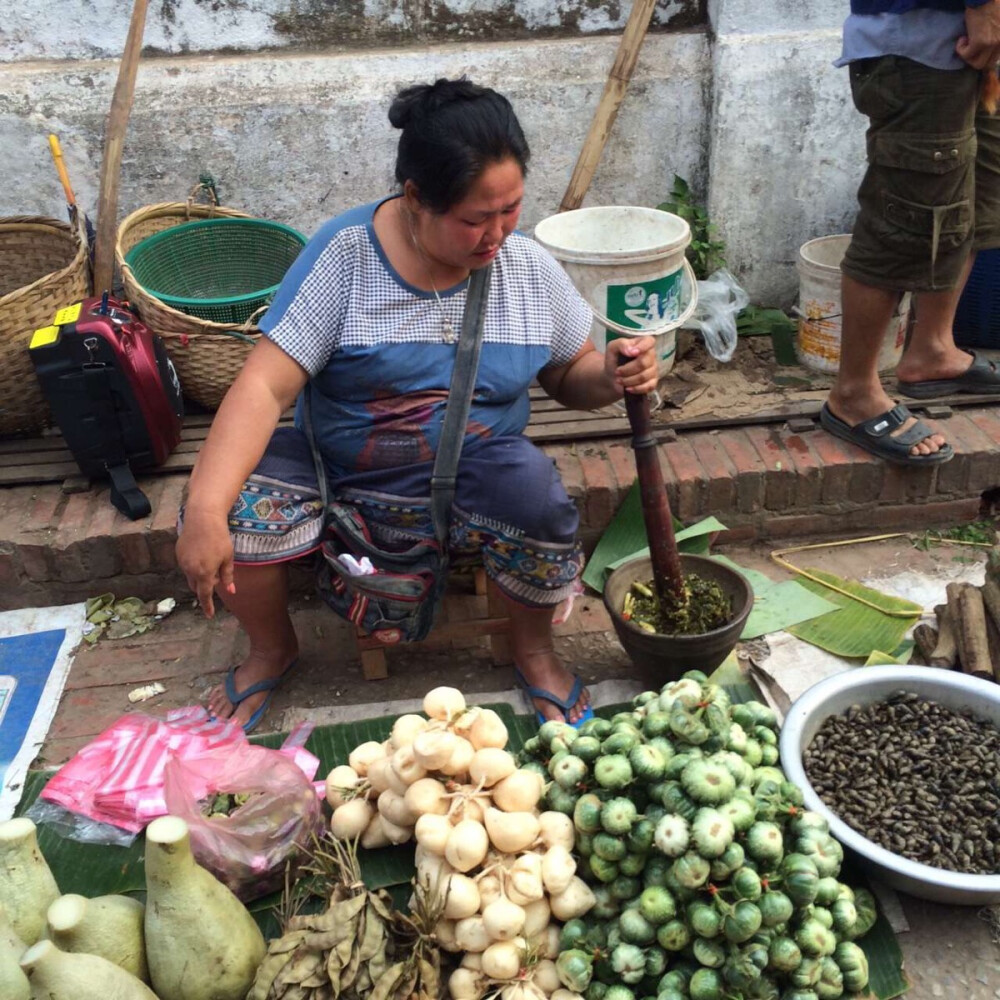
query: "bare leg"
931, 353
534, 655
857, 394
261, 606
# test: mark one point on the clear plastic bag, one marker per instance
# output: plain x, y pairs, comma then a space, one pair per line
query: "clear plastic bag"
73, 826
247, 849
720, 300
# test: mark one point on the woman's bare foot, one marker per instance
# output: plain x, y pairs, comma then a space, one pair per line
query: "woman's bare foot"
543, 669
854, 409
254, 669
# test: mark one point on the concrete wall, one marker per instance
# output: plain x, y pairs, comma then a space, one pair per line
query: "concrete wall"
94, 29
299, 138
787, 147
284, 102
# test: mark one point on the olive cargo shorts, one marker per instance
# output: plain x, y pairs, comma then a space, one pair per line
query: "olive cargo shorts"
931, 193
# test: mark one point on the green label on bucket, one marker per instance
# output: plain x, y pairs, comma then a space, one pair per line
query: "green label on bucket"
645, 305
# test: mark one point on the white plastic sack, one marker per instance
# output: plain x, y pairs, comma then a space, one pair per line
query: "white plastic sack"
720, 300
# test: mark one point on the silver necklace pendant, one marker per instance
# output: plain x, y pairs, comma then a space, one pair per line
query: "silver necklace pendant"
447, 331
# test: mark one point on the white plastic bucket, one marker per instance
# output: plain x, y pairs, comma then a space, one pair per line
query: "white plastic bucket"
817, 345
628, 263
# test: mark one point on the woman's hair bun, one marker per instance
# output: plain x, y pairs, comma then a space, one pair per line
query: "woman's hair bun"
413, 103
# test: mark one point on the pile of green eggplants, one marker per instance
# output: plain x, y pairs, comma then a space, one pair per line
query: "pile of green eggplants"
712, 880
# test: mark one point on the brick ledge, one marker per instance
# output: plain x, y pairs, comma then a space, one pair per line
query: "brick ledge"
763, 482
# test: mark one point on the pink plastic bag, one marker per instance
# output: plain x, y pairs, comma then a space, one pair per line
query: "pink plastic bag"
248, 849
117, 778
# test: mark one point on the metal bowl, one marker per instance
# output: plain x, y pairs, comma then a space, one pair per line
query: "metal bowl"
864, 686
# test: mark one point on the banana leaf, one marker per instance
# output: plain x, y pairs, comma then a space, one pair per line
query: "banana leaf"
899, 658
625, 538
855, 630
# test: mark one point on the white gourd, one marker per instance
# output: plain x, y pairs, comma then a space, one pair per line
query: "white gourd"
339, 784
558, 869
13, 982
351, 819
461, 895
467, 846
433, 748
61, 975
374, 835
488, 730
522, 990
511, 832
557, 828
465, 984
502, 960
363, 756
546, 977
518, 792
490, 765
460, 759
537, 916
201, 942
108, 926
444, 703
503, 920
27, 887
551, 945
471, 934
444, 933
432, 832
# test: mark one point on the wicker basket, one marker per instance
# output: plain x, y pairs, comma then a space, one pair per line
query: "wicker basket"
43, 267
222, 270
208, 356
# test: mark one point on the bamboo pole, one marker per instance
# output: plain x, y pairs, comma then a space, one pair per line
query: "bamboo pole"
114, 141
607, 108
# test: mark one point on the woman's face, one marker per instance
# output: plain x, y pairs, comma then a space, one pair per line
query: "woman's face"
471, 232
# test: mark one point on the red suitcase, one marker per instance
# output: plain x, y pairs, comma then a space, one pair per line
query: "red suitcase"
113, 391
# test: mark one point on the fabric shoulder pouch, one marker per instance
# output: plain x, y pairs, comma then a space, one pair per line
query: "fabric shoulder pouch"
395, 603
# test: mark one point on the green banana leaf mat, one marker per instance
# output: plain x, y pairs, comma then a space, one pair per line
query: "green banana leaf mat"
94, 869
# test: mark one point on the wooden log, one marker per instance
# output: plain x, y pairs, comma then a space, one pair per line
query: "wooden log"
945, 653
993, 565
925, 638
991, 598
993, 642
968, 614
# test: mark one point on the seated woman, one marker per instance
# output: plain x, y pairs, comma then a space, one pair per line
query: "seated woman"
368, 317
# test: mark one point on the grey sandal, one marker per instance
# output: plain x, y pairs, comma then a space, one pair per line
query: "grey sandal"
875, 436
982, 376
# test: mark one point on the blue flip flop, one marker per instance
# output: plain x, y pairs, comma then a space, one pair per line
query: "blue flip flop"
238, 697
564, 704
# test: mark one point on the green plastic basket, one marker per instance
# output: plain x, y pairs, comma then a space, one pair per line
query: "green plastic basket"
221, 270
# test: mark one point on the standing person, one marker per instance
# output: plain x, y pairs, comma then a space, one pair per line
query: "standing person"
929, 200
368, 317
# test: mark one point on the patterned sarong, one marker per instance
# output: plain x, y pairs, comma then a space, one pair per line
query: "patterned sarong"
510, 512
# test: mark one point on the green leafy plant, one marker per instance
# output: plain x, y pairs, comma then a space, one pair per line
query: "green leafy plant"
981, 534
704, 252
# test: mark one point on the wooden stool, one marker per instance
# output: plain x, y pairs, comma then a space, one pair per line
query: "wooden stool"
495, 624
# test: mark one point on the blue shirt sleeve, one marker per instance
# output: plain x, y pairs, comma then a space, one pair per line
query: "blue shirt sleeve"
307, 313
